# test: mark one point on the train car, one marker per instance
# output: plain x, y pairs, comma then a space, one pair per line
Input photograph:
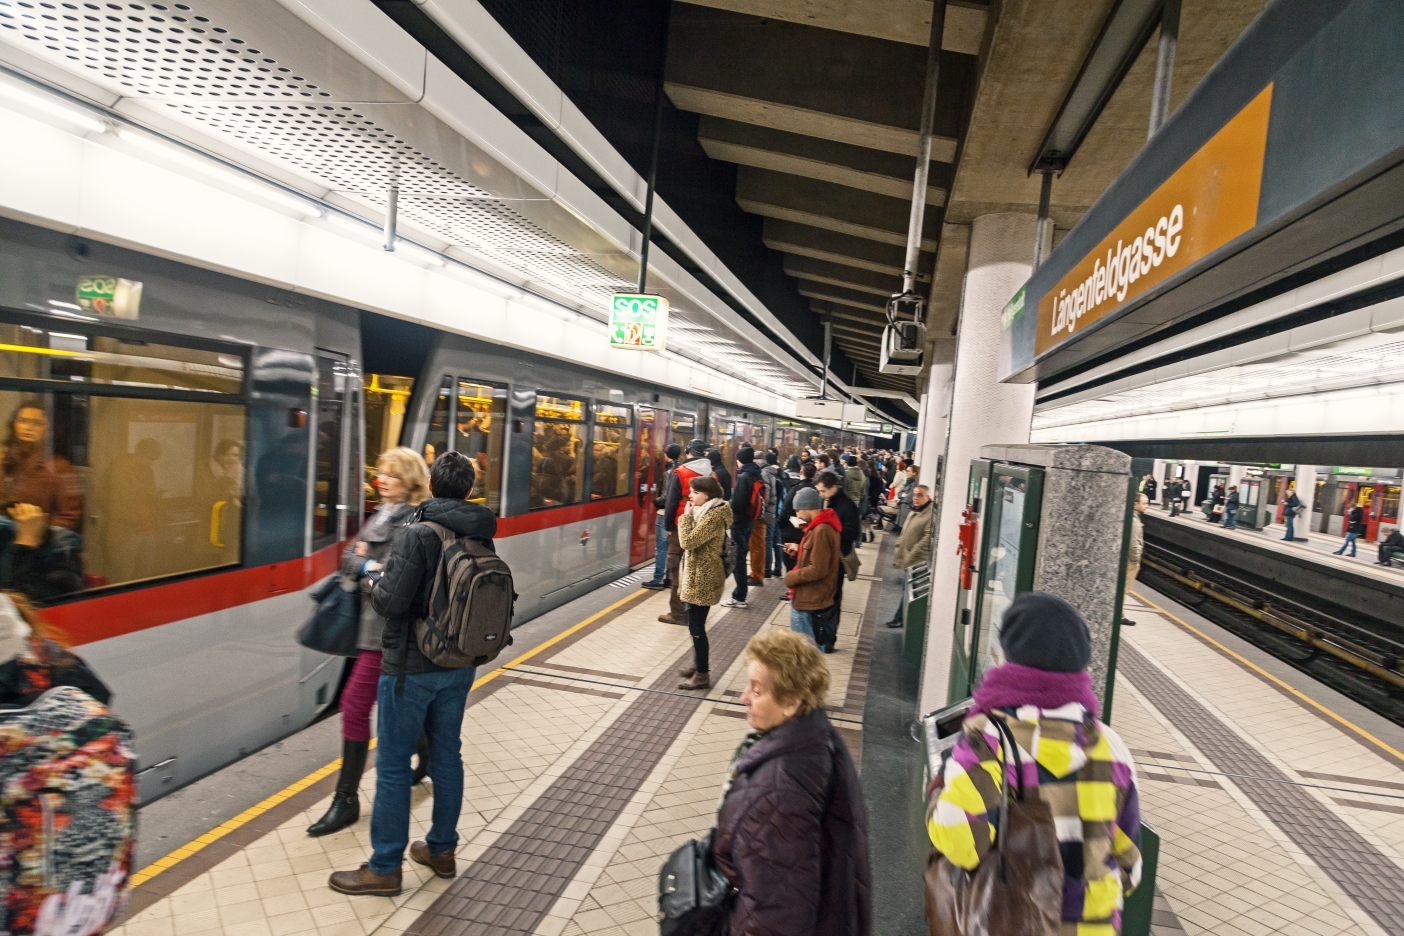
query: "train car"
200, 446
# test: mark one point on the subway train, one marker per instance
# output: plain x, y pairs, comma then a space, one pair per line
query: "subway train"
202, 446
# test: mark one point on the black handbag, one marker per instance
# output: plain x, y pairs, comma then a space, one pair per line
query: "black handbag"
336, 624
826, 624
694, 898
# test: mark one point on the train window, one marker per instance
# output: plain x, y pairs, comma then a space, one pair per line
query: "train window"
557, 452
39, 353
386, 398
327, 500
438, 438
482, 419
106, 490
611, 450
684, 429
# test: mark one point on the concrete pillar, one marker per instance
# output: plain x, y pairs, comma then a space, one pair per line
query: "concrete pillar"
1235, 474
935, 417
983, 412
1158, 473
1306, 493
921, 423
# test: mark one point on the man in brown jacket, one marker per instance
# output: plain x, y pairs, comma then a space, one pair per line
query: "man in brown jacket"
814, 579
914, 544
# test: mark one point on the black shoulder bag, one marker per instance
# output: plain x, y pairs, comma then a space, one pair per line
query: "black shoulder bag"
694, 898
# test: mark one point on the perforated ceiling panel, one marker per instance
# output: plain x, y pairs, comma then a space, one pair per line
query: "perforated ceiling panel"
252, 73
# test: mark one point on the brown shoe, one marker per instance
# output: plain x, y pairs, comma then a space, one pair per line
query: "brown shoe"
442, 865
364, 881
697, 681
668, 619
687, 672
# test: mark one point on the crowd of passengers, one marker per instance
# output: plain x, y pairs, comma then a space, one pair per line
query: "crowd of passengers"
791, 833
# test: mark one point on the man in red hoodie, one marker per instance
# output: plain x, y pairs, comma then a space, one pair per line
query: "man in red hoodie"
814, 579
696, 465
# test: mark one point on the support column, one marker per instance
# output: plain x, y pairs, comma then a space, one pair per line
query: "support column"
935, 416
1306, 493
983, 412
1158, 473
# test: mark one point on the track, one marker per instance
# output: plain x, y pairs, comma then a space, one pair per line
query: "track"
1356, 655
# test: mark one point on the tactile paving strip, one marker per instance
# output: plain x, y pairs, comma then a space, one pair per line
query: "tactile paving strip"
1361, 870
510, 888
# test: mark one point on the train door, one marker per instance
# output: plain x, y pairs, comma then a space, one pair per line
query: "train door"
649, 459
329, 497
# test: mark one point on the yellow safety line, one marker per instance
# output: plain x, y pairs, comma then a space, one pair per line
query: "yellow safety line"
1273, 679
253, 812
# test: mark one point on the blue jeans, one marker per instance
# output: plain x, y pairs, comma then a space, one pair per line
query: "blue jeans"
432, 703
660, 551
1230, 518
741, 535
774, 550
1291, 534
1348, 544
802, 622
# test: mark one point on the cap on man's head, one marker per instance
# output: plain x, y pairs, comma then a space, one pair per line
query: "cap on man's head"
697, 447
771, 458
674, 450
1044, 632
807, 498
746, 455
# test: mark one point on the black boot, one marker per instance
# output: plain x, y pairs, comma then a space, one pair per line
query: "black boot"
346, 804
421, 750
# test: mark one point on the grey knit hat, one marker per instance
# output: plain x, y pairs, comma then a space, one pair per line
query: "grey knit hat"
808, 499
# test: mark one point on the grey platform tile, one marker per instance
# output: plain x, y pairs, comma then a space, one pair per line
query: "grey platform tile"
1358, 868
509, 889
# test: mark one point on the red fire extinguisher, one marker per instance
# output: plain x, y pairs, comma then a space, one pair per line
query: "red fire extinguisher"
969, 528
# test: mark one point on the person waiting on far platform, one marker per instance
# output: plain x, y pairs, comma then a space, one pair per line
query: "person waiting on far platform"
1394, 543
1231, 509
1355, 525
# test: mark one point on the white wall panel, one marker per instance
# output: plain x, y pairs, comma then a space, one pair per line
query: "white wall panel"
37, 179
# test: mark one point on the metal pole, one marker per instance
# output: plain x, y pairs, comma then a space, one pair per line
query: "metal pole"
1164, 65
828, 340
928, 118
1043, 235
392, 211
657, 142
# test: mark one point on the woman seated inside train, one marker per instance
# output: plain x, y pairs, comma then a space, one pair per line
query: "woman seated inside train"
36, 476
38, 560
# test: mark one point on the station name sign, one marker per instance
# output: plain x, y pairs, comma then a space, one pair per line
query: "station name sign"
1211, 199
638, 322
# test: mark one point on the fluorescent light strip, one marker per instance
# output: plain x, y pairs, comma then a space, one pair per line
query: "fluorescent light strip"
210, 168
51, 105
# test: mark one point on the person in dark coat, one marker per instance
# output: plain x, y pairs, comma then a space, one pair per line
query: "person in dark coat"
720, 472
1355, 526
830, 487
748, 475
792, 828
415, 694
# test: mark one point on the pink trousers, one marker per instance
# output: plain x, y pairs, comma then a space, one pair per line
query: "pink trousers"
359, 695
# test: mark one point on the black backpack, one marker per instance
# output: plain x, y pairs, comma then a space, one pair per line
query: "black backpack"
470, 604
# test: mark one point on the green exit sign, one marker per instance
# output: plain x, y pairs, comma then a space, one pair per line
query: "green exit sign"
638, 322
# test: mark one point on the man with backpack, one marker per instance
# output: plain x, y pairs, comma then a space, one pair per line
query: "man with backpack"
775, 477
445, 595
748, 493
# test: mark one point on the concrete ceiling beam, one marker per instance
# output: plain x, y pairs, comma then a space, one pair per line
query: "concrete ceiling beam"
836, 247
898, 20
857, 167
838, 274
836, 294
816, 82
821, 308
829, 206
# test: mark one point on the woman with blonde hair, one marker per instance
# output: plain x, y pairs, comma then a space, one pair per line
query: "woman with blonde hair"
403, 482
792, 827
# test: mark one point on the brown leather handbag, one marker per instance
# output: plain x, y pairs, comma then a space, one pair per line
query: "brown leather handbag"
1017, 890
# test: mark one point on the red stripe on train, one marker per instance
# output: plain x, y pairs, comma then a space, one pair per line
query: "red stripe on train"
127, 612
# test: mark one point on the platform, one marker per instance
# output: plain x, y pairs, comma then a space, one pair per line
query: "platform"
1280, 804
1318, 547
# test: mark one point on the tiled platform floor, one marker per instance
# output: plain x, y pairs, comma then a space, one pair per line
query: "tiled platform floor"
579, 783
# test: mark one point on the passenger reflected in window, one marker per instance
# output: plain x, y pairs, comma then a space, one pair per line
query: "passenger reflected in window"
34, 474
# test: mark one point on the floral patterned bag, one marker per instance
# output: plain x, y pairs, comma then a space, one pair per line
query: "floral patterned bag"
67, 803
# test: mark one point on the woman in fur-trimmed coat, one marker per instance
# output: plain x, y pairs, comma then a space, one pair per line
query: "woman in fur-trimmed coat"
702, 536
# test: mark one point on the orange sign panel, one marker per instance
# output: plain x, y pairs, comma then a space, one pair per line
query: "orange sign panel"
1209, 201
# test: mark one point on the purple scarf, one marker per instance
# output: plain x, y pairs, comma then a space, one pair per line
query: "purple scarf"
1012, 685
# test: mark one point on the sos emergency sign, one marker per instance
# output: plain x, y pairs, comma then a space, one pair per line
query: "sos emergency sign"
638, 322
